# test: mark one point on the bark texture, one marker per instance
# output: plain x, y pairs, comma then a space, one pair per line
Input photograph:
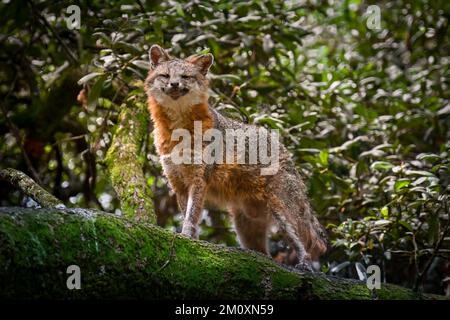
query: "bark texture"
125, 162
24, 183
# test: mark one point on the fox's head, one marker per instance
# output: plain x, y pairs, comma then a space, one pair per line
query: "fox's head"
173, 81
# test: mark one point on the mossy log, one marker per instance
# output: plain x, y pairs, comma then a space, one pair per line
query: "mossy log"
122, 258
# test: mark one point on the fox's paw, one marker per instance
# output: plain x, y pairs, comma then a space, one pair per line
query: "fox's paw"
190, 230
304, 266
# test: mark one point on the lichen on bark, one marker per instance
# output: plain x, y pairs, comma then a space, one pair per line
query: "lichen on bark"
123, 258
25, 184
125, 163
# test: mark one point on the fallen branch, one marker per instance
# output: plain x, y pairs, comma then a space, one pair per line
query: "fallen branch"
24, 183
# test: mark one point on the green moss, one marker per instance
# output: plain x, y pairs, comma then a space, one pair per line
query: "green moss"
286, 284
125, 164
386, 292
125, 258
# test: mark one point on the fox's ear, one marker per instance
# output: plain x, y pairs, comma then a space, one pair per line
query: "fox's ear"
203, 62
157, 55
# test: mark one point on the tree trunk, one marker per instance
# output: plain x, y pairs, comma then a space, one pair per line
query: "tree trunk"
125, 161
124, 258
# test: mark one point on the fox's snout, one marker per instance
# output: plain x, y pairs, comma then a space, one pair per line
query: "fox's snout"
175, 90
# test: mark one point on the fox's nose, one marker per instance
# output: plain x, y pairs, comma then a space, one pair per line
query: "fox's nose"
174, 84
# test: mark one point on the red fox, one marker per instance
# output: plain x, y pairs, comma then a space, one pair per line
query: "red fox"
177, 91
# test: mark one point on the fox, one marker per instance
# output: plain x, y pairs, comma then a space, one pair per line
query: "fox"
177, 95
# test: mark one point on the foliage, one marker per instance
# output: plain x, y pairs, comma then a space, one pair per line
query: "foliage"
365, 112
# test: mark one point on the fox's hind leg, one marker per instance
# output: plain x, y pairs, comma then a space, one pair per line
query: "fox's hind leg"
251, 222
290, 208
289, 225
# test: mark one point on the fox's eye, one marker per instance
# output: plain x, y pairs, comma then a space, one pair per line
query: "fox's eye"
185, 76
164, 75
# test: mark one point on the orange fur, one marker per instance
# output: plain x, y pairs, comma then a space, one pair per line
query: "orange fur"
231, 181
164, 129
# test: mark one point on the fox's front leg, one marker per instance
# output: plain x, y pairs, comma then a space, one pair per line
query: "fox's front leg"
182, 199
194, 209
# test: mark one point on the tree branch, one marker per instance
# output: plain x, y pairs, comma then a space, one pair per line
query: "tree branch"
25, 184
122, 258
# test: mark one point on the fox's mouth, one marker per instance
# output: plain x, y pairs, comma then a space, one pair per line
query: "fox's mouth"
176, 93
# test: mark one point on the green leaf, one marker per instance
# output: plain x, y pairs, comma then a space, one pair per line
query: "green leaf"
381, 165
340, 266
128, 47
204, 51
323, 156
94, 93
179, 9
433, 228
376, 153
399, 184
420, 181
226, 77
428, 157
362, 275
385, 212
419, 173
348, 144
406, 225
308, 150
88, 77
382, 222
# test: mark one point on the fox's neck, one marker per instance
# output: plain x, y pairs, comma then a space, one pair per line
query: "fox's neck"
173, 115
